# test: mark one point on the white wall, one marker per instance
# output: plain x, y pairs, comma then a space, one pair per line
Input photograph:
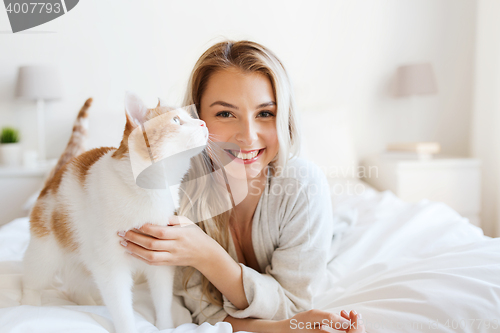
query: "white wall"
339, 53
486, 127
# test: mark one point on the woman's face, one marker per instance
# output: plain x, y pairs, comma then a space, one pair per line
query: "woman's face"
240, 108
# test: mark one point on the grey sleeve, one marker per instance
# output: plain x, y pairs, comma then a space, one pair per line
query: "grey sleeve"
201, 310
298, 264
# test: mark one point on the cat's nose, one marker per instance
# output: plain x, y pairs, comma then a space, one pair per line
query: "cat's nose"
203, 124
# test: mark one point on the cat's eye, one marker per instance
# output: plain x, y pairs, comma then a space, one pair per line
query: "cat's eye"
176, 120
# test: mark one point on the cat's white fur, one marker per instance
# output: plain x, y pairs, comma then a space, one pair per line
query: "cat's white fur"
109, 201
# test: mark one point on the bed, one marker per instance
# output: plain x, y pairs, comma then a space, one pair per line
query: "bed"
405, 267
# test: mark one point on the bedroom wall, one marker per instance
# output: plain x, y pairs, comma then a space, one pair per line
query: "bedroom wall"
486, 111
340, 54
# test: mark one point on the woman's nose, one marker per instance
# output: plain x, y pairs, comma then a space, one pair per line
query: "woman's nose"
247, 134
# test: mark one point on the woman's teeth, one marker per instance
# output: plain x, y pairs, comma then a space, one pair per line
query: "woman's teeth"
244, 156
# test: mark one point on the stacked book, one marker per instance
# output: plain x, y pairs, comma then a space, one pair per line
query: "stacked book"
412, 150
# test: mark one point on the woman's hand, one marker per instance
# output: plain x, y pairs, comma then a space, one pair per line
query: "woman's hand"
308, 322
182, 243
185, 244
356, 324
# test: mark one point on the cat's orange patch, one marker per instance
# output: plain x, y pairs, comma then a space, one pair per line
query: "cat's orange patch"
158, 111
123, 148
61, 229
161, 130
38, 226
54, 182
75, 145
83, 110
84, 161
42, 221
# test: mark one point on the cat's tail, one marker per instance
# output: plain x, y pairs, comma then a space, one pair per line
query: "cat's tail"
76, 144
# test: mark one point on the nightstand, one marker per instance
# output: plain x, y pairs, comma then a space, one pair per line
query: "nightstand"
454, 181
17, 184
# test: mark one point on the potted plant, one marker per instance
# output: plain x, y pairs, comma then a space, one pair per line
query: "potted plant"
10, 148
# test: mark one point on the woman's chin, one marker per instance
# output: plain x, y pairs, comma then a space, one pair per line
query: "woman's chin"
253, 170
236, 170
243, 171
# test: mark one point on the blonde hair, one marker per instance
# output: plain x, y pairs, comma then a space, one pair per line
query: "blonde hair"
249, 57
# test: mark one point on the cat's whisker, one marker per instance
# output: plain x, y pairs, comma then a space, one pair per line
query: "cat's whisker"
214, 154
187, 196
210, 161
215, 136
190, 139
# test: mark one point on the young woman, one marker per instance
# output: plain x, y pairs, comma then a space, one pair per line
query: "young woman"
266, 257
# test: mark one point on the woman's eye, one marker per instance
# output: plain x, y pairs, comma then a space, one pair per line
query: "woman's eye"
266, 114
224, 114
176, 120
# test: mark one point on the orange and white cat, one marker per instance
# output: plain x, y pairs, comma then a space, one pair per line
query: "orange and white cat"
90, 196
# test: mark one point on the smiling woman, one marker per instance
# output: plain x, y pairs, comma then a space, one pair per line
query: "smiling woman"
259, 264
240, 108
242, 155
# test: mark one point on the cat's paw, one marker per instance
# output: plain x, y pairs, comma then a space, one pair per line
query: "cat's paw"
31, 297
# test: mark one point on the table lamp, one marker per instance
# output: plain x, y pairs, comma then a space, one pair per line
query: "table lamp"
413, 80
40, 83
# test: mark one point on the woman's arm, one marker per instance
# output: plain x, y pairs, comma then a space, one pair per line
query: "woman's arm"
308, 321
253, 325
218, 266
300, 224
225, 274
188, 245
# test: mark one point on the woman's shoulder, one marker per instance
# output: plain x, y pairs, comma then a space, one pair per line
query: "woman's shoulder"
299, 180
302, 171
299, 199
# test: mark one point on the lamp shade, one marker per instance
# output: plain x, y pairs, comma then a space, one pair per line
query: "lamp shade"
415, 79
38, 82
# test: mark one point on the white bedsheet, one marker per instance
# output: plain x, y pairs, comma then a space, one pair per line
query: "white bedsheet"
405, 267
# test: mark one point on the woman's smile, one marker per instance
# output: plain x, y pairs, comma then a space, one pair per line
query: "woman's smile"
240, 109
245, 156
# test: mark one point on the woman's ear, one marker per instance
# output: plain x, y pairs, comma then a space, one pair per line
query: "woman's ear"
135, 108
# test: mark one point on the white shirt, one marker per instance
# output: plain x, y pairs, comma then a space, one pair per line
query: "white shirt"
292, 232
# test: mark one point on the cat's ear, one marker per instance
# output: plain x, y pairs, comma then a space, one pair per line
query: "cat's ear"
135, 108
161, 102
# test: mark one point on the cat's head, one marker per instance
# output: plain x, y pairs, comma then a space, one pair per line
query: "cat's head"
158, 132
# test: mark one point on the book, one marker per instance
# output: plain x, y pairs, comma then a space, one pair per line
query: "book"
402, 155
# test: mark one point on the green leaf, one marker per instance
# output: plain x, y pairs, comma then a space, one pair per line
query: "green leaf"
9, 135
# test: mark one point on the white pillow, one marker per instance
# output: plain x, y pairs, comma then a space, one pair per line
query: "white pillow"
327, 141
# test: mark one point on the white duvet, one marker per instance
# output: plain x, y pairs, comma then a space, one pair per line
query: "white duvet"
404, 267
